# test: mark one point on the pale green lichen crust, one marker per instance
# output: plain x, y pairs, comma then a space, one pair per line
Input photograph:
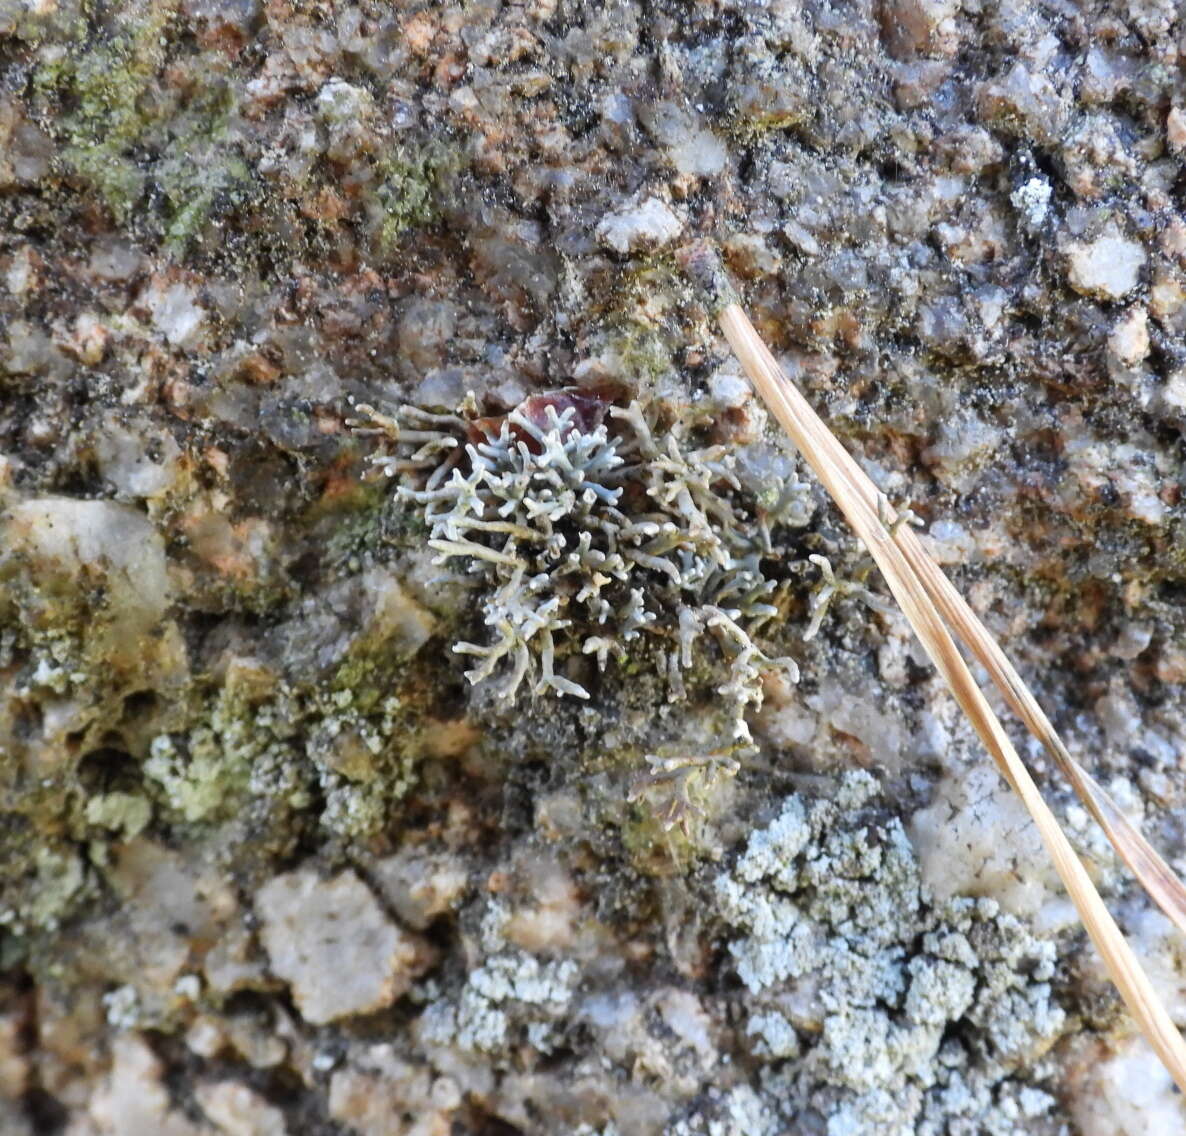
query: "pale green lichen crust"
872, 1007
849, 1003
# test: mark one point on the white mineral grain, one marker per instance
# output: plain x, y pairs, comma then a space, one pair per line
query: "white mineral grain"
233, 963
729, 390
421, 885
964, 443
976, 838
1167, 297
685, 1015
134, 1101
1127, 1092
1108, 267
552, 916
426, 329
137, 460
615, 1018
205, 1037
649, 224
1175, 129
175, 312
236, 1110
66, 538
949, 542
1172, 396
1128, 342
1133, 639
88, 339
166, 902
264, 1043
22, 273
1119, 714
114, 260
991, 302
801, 239
793, 723
341, 103
856, 711
380, 1093
332, 943
30, 352
698, 153
392, 615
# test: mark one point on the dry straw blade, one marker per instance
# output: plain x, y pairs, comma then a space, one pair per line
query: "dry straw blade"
925, 596
1143, 860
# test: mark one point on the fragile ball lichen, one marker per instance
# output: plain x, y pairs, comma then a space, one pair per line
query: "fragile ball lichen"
599, 531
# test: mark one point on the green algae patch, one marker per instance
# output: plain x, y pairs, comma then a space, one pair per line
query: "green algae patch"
101, 90
406, 191
127, 134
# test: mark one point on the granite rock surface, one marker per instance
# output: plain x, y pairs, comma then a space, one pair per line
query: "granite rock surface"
277, 857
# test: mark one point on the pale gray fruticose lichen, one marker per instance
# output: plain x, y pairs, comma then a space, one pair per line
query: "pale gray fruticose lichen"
830, 586
594, 534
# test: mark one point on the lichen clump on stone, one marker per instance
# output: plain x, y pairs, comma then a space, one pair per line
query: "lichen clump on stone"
873, 1005
603, 532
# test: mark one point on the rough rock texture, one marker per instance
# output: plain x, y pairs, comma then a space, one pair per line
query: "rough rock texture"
270, 861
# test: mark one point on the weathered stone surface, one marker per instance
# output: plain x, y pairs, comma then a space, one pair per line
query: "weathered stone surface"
235, 717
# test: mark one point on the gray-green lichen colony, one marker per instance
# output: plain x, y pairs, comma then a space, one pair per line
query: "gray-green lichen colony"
918, 1016
629, 547
576, 776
